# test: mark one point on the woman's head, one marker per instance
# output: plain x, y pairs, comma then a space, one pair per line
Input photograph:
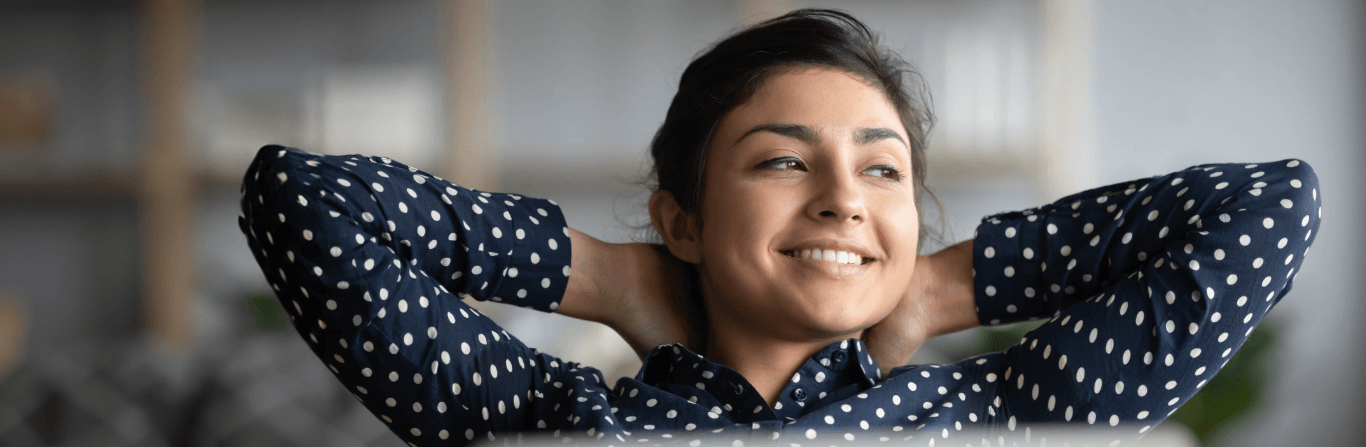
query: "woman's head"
794, 137
731, 71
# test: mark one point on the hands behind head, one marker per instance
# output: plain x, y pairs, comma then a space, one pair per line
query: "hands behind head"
650, 298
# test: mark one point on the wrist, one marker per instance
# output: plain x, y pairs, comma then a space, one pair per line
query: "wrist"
590, 285
949, 284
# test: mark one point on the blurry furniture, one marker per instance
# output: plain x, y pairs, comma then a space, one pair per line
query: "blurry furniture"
260, 390
13, 331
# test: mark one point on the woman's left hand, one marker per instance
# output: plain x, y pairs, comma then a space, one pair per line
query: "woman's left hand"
939, 301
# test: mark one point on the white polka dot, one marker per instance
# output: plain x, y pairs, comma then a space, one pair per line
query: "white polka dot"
1268, 223
1245, 240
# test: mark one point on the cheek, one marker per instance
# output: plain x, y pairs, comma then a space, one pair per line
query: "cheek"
744, 216
901, 225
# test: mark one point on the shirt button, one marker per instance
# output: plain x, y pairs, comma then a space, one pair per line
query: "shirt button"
837, 357
799, 395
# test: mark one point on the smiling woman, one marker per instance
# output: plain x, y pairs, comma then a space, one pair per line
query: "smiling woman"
788, 291
809, 164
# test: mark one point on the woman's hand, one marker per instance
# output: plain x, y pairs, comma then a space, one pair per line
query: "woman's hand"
639, 290
939, 301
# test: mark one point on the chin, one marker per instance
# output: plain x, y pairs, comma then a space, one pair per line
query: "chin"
838, 321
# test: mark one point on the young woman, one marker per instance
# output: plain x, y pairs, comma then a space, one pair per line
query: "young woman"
788, 290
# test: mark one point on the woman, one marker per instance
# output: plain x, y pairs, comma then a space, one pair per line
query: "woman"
790, 166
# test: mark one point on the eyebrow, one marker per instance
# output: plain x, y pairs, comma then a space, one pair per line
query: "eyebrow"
869, 135
807, 135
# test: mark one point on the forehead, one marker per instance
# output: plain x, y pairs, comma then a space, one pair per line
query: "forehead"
814, 97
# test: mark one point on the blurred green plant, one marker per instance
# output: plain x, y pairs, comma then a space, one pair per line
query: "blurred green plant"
1238, 388
265, 312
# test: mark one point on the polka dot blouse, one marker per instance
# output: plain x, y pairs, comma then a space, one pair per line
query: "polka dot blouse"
1149, 287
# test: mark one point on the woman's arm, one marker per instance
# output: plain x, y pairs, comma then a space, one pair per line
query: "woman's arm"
371, 258
1150, 286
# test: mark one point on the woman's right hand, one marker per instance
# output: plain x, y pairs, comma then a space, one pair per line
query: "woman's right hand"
641, 291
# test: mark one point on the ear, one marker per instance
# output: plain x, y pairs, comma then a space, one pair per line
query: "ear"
676, 227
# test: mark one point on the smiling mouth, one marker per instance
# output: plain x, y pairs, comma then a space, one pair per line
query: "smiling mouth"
839, 257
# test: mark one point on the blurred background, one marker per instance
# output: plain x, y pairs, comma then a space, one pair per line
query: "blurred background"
131, 312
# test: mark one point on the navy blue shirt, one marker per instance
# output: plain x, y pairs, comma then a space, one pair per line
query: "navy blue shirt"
1149, 286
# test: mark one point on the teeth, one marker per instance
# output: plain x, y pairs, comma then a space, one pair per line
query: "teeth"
842, 257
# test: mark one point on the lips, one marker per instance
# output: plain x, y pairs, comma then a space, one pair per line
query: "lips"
836, 256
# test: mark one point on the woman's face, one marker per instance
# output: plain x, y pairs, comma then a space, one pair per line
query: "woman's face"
816, 161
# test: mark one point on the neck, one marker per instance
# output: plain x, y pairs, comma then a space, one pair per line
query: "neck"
766, 361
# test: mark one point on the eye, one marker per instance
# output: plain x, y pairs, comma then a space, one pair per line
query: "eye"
782, 164
885, 172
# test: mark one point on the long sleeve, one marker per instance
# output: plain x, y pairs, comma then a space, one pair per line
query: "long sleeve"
370, 259
1150, 286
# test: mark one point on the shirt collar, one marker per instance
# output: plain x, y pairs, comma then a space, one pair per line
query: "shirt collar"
834, 373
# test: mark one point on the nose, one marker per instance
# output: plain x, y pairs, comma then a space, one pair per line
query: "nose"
837, 199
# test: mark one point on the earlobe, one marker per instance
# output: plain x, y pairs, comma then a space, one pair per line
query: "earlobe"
676, 227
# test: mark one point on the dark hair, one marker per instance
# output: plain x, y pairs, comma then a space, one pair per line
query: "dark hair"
730, 72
